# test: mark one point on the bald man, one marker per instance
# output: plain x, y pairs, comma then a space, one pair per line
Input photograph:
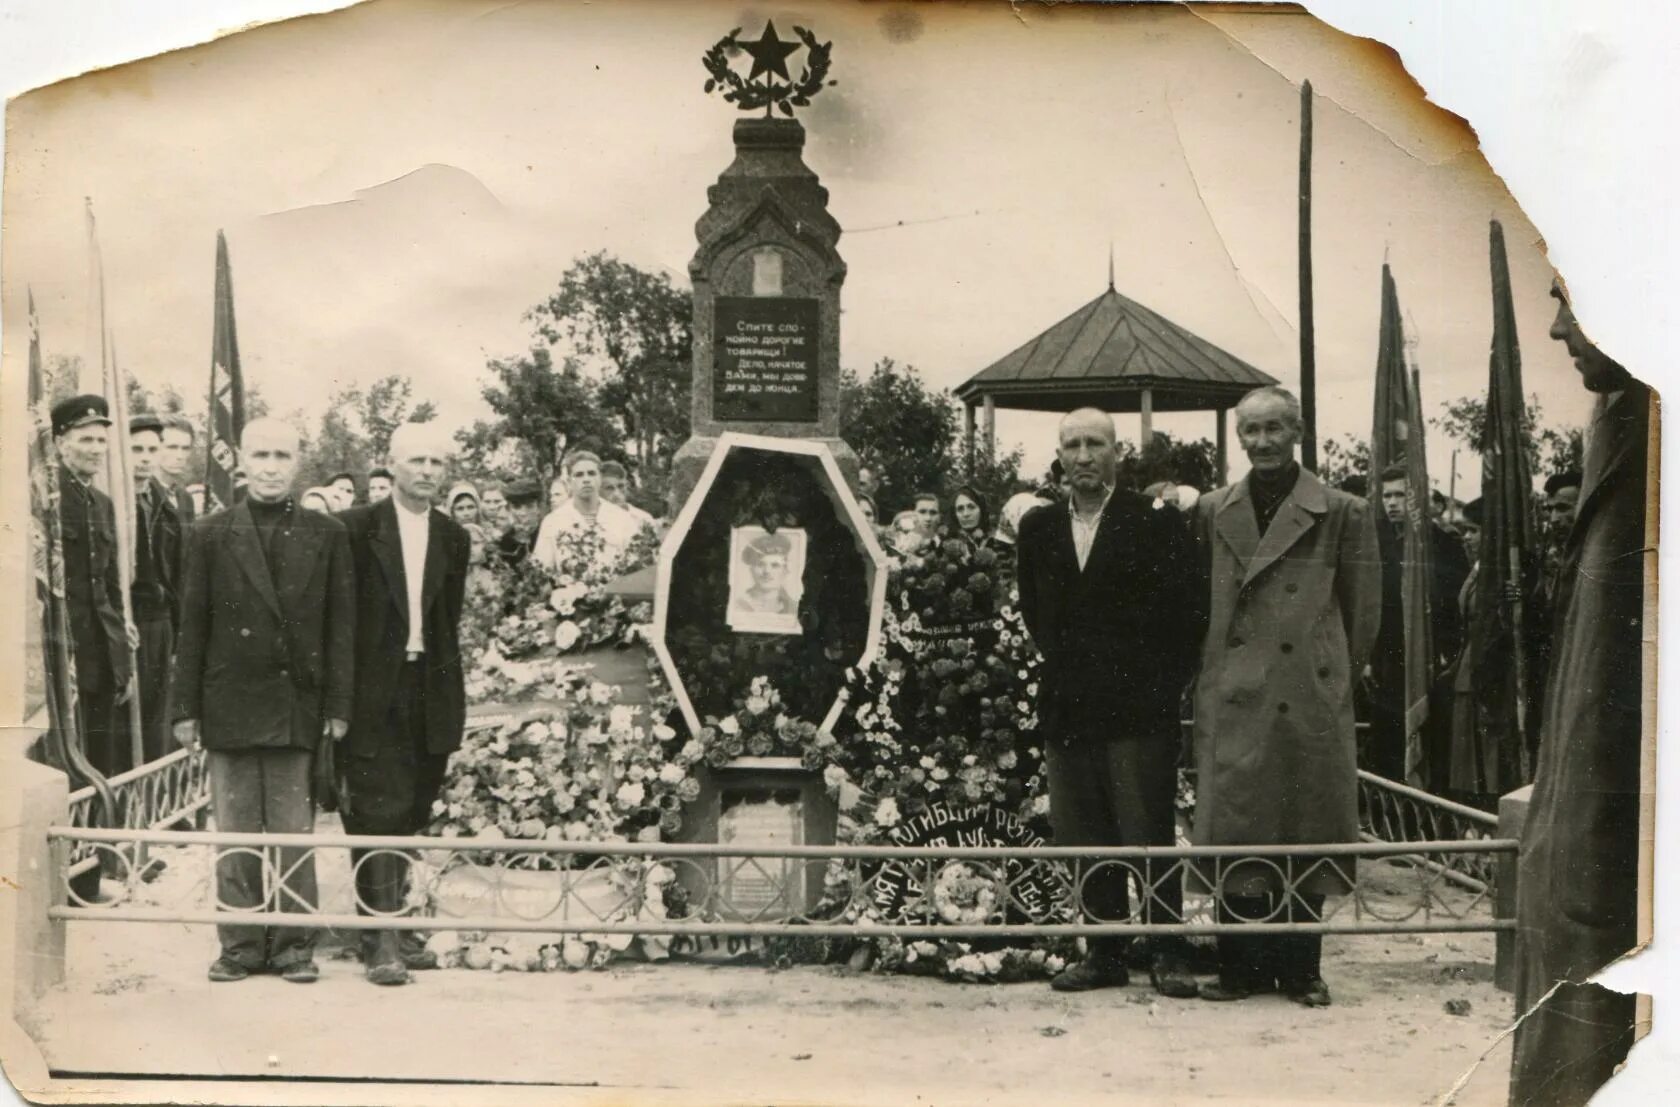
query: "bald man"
264, 669
1107, 583
411, 574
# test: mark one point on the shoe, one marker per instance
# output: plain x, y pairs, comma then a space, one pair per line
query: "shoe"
1093, 972
1226, 989
300, 972
225, 970
1171, 977
388, 973
1313, 992
419, 960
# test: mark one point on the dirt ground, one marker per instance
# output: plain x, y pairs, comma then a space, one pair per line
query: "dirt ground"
136, 1002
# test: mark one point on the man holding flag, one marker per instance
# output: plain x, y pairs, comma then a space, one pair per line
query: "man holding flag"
101, 642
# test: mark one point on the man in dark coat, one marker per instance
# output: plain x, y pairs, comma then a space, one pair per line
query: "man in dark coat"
263, 677
1578, 872
1107, 590
411, 575
153, 595
1294, 591
178, 440
1448, 567
100, 638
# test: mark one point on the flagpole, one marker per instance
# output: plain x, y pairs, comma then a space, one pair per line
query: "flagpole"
119, 480
1309, 371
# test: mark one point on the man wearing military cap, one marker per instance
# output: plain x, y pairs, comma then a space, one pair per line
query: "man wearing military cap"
100, 639
153, 595
524, 501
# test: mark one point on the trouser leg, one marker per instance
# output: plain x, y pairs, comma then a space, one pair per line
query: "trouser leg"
390, 786
1299, 955
1141, 780
236, 798
1245, 960
1079, 816
157, 648
287, 810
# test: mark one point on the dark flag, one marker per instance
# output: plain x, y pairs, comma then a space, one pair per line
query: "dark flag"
63, 745
227, 392
1397, 439
1499, 667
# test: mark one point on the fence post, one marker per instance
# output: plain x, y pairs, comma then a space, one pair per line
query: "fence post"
31, 880
1513, 817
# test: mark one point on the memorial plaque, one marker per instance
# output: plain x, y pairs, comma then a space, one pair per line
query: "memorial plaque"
765, 361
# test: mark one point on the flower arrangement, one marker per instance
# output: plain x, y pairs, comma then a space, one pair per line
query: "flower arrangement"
589, 769
537, 616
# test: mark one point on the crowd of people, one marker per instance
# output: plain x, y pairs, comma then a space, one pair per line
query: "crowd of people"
308, 640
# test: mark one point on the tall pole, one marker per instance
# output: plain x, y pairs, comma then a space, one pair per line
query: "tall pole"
1309, 382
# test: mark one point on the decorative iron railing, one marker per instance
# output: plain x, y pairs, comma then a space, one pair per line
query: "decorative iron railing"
173, 789
1395, 812
667, 888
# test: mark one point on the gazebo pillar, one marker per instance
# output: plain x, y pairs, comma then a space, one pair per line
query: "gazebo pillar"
1146, 411
990, 425
968, 434
1220, 466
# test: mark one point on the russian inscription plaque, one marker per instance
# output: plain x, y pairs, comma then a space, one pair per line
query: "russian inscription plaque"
765, 367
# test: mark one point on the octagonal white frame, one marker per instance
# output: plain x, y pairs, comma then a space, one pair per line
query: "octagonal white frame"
839, 492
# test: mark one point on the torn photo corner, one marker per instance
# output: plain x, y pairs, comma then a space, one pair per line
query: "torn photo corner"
579, 243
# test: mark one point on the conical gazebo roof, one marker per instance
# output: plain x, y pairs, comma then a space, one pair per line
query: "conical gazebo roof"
1106, 355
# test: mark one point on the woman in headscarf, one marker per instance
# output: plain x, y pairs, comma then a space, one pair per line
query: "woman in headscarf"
1014, 510
463, 503
971, 518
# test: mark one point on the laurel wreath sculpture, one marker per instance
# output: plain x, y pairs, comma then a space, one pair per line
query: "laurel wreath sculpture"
749, 95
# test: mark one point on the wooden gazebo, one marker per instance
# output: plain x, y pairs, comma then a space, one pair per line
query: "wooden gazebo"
1117, 355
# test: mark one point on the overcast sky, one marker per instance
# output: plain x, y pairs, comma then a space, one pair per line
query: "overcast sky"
401, 181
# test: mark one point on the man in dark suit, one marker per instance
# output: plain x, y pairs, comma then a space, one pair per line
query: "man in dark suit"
178, 440
153, 594
411, 575
101, 641
263, 677
1107, 583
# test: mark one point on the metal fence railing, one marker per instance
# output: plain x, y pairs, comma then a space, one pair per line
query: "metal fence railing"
1395, 812
699, 889
163, 793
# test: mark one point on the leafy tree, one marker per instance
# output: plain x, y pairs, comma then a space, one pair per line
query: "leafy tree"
901, 429
1344, 457
636, 328
355, 431
543, 409
1165, 458
1550, 449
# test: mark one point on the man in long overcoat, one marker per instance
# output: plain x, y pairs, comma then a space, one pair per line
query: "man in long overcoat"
411, 577
1578, 872
263, 676
1295, 588
1109, 594
154, 596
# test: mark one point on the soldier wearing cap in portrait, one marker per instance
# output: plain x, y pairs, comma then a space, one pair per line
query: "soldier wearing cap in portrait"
154, 592
100, 639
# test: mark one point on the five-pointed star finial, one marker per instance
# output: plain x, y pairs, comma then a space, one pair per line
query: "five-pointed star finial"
769, 53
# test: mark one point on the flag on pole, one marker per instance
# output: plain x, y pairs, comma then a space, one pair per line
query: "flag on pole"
64, 743
119, 475
227, 392
1397, 439
1496, 641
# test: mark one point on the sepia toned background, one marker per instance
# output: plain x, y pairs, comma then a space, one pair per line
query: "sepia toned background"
394, 206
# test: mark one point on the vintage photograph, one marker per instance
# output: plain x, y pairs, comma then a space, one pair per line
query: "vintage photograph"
931, 550
767, 581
